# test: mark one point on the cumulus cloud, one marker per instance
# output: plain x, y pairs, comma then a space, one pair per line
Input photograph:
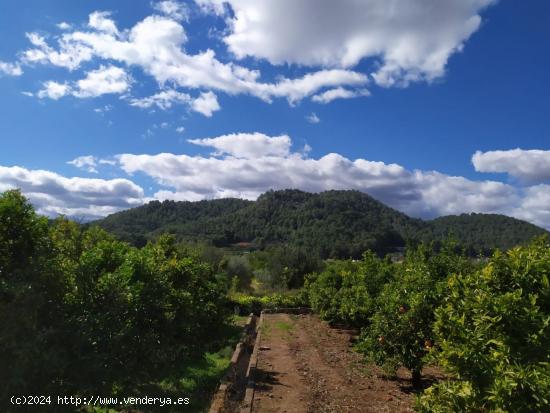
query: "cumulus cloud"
105, 80
313, 118
163, 100
247, 145
246, 165
101, 21
70, 54
535, 205
88, 163
10, 69
64, 26
53, 194
173, 9
339, 93
412, 40
156, 45
53, 90
527, 165
206, 103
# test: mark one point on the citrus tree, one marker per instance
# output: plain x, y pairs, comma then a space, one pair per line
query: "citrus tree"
493, 331
400, 332
345, 292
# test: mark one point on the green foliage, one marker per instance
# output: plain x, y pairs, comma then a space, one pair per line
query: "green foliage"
255, 304
482, 233
332, 224
346, 291
283, 267
81, 312
238, 268
400, 330
493, 329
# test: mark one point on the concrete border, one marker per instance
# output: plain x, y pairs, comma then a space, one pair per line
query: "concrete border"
230, 377
247, 404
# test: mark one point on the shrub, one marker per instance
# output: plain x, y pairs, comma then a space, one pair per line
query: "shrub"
346, 291
400, 332
81, 312
255, 304
493, 330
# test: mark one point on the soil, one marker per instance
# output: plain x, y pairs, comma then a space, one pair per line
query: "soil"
305, 366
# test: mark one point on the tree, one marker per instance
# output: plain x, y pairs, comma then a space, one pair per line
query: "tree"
346, 291
401, 329
493, 331
239, 268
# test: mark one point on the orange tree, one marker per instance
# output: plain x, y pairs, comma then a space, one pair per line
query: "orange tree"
400, 330
493, 330
345, 292
81, 312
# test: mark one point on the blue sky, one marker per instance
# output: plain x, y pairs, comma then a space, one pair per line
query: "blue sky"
106, 105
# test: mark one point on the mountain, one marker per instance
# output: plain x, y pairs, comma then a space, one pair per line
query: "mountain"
484, 232
332, 224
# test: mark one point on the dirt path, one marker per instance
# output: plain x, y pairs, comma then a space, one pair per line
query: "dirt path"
305, 366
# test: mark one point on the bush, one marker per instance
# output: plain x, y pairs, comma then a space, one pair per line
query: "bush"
255, 304
493, 330
400, 331
346, 291
81, 312
238, 268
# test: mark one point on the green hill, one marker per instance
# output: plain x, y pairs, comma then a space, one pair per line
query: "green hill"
332, 223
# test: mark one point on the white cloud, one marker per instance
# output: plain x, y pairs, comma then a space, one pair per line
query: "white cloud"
53, 194
412, 40
100, 21
180, 129
313, 118
527, 165
339, 93
88, 163
64, 26
206, 103
53, 90
174, 9
103, 109
105, 80
71, 54
535, 206
163, 99
10, 69
156, 46
247, 145
246, 165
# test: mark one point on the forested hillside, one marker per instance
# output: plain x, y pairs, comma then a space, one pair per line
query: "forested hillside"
333, 224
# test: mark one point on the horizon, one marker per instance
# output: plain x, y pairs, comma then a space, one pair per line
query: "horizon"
109, 105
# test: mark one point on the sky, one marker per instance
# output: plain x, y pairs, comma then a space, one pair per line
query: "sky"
434, 107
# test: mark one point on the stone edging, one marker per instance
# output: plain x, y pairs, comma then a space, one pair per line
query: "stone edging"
251, 371
228, 380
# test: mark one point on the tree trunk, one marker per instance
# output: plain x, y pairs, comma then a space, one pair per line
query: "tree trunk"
416, 379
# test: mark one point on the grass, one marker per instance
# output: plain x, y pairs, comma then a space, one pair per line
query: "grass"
197, 380
284, 326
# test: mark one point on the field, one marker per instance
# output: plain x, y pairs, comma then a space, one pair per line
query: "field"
304, 365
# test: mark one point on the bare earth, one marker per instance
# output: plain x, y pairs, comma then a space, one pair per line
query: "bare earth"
306, 366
